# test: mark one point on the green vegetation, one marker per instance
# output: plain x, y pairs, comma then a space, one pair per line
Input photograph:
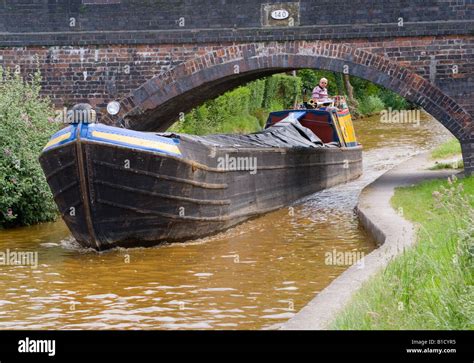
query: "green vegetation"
369, 98
457, 164
370, 105
26, 123
246, 108
431, 285
449, 148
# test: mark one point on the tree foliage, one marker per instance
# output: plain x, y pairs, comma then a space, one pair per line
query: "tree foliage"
26, 123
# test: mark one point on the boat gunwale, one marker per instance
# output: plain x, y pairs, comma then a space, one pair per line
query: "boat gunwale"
282, 150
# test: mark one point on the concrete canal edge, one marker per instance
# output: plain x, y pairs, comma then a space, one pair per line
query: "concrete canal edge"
391, 231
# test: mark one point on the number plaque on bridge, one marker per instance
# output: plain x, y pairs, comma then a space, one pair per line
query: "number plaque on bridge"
281, 14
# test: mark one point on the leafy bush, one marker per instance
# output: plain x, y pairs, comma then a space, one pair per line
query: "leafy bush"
283, 89
275, 105
396, 102
257, 91
227, 113
26, 123
363, 88
244, 109
262, 115
244, 124
370, 105
196, 122
230, 105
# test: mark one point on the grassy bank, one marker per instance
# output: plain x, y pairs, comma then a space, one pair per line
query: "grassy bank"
450, 151
446, 150
431, 285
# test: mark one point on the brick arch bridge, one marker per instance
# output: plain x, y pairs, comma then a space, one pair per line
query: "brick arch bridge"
162, 57
157, 103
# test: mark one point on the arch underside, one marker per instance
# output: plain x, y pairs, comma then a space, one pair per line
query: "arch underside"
157, 104
167, 113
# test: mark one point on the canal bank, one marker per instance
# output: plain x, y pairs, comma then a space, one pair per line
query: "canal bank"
388, 227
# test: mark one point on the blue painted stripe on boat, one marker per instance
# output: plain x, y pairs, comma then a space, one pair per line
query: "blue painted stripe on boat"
132, 139
59, 136
125, 132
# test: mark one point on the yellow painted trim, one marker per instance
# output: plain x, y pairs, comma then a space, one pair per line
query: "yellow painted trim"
340, 135
137, 141
348, 128
57, 140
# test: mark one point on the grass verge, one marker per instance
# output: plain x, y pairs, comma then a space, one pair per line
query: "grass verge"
449, 148
456, 164
431, 285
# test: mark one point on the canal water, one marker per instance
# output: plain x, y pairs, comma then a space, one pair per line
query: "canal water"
250, 277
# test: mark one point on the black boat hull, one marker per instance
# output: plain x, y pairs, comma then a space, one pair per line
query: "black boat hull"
109, 196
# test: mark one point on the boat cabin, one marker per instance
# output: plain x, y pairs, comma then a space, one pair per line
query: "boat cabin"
333, 125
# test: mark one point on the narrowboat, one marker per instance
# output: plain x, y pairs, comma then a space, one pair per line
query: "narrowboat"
119, 187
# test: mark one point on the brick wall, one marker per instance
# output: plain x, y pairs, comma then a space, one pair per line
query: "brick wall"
182, 21
99, 73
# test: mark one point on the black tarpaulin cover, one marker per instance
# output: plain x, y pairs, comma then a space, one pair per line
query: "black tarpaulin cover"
286, 133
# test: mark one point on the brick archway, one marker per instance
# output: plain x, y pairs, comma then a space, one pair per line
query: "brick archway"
156, 104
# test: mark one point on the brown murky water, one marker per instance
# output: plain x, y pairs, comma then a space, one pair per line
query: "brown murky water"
250, 277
